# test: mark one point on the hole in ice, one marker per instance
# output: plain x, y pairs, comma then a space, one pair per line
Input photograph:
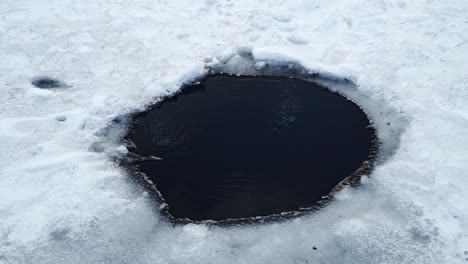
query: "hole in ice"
47, 82
237, 147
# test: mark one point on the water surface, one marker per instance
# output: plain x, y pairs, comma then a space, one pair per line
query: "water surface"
233, 147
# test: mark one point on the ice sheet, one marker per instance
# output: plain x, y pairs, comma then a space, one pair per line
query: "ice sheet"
63, 199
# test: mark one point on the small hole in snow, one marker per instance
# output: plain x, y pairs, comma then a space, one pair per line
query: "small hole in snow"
47, 82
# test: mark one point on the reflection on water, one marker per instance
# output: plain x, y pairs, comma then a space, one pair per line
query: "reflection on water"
236, 147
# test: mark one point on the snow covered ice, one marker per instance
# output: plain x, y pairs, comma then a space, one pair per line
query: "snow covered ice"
63, 199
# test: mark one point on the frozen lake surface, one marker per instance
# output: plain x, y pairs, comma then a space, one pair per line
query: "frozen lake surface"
65, 199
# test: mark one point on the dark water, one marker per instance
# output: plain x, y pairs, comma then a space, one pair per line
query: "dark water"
235, 147
46, 82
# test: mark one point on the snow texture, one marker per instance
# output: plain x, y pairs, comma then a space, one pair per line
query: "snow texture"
63, 198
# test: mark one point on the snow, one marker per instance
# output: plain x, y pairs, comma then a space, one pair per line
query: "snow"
63, 199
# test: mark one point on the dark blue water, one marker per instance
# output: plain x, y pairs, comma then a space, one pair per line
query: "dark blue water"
233, 147
46, 82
